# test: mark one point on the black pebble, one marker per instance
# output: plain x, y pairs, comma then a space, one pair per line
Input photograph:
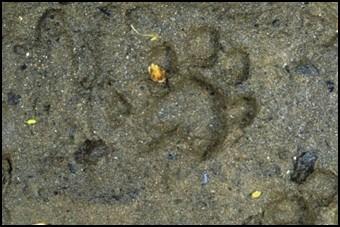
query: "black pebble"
171, 156
23, 67
330, 85
276, 23
13, 99
303, 166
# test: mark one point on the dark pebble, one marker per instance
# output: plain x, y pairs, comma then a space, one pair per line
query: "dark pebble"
20, 49
307, 69
47, 108
72, 167
276, 23
303, 166
171, 156
23, 67
330, 85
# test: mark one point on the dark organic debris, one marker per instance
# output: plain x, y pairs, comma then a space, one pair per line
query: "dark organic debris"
13, 99
7, 168
105, 11
91, 151
303, 166
253, 219
23, 67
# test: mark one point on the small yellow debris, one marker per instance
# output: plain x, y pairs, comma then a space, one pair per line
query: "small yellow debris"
31, 121
153, 36
157, 73
256, 194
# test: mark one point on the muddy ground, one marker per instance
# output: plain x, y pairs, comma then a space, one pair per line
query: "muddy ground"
244, 131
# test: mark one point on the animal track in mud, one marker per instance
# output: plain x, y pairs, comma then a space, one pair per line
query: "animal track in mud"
97, 183
195, 107
46, 62
203, 46
50, 27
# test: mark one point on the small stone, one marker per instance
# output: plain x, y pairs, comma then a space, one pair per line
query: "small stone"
204, 178
303, 166
276, 23
307, 69
171, 156
72, 167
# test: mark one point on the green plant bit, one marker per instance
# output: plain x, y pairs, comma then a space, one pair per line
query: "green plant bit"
31, 121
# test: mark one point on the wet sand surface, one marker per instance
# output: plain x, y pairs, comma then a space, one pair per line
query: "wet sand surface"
243, 131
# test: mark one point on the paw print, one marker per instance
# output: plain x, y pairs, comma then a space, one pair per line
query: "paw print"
196, 108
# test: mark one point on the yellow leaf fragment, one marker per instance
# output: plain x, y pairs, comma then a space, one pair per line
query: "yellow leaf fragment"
154, 37
256, 194
31, 121
157, 73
